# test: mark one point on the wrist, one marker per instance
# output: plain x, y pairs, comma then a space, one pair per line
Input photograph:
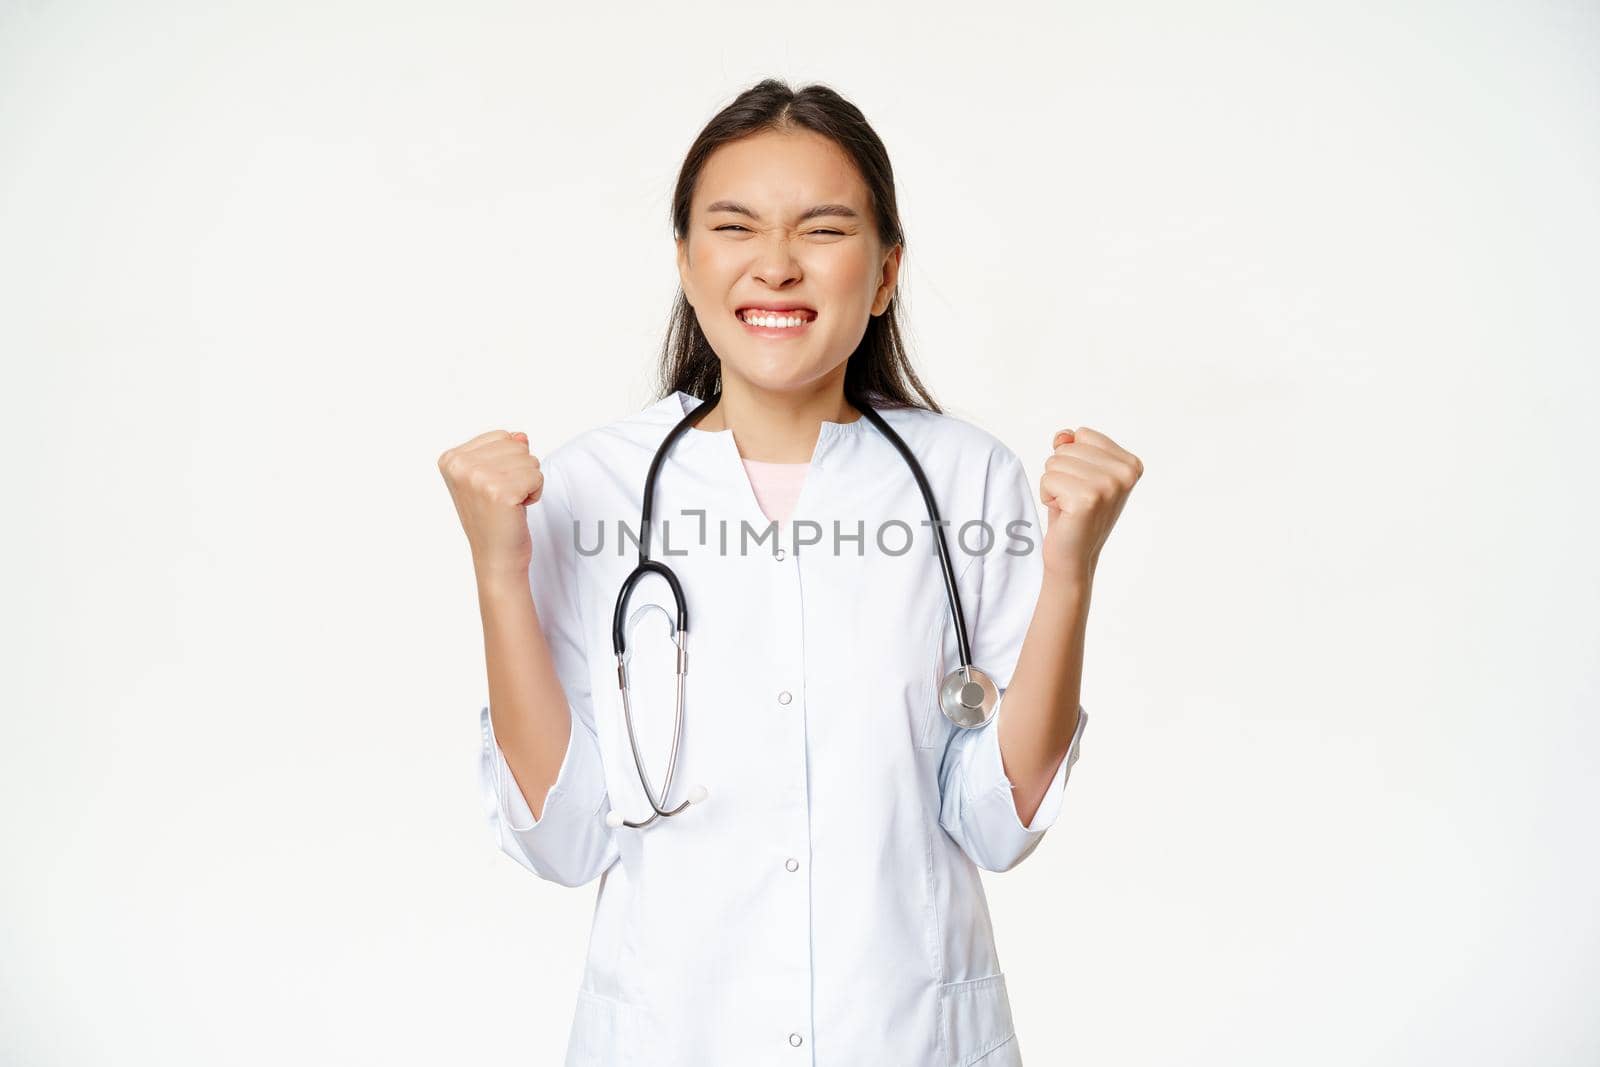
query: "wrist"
1069, 581
498, 581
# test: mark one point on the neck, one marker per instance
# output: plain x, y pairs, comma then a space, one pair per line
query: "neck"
777, 427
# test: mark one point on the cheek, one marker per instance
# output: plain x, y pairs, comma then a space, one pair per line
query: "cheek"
710, 277
848, 282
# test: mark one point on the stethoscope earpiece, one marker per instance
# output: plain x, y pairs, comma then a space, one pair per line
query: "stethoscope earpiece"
698, 794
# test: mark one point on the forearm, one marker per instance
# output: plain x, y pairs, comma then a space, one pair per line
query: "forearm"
1041, 703
532, 720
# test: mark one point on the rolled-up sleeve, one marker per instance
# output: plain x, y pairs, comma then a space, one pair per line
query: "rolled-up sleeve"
977, 808
570, 843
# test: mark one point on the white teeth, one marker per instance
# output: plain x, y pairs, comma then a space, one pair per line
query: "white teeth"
756, 318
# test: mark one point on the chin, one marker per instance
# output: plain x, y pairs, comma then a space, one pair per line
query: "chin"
780, 379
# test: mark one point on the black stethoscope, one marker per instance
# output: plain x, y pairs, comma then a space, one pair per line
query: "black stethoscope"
967, 695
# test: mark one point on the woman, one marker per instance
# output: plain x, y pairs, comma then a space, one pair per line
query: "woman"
822, 904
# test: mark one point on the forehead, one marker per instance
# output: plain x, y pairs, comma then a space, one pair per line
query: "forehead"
781, 171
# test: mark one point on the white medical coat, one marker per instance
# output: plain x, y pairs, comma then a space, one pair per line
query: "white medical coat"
823, 904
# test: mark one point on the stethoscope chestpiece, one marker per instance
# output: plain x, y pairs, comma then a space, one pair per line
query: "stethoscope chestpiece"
968, 697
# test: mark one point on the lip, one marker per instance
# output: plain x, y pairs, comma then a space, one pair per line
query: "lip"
776, 331
776, 307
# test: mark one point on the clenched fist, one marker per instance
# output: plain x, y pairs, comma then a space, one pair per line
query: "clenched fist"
492, 479
1086, 481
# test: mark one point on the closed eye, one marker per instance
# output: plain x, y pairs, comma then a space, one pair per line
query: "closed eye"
736, 226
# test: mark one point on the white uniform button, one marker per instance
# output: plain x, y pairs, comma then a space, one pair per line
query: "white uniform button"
783, 697
794, 1039
778, 555
793, 865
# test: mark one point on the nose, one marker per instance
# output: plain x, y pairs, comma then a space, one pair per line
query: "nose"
775, 264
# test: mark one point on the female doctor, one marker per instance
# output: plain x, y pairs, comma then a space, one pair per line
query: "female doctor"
813, 897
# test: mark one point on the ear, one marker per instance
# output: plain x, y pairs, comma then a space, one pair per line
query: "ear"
683, 266
889, 275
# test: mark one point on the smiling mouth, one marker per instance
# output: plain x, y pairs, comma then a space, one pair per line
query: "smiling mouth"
776, 323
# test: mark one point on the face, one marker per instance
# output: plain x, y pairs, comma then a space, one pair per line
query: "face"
756, 238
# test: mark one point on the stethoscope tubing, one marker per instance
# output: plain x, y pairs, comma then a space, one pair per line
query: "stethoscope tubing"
649, 566
964, 650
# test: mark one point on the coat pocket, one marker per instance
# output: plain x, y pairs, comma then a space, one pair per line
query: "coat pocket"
975, 1024
605, 1032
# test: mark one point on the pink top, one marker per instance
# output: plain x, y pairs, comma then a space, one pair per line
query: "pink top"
777, 486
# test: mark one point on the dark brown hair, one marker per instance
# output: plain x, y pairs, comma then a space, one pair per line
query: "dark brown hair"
879, 370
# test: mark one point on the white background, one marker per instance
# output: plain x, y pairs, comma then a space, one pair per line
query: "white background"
1329, 272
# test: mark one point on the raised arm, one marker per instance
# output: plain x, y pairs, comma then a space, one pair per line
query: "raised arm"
1002, 785
1086, 482
541, 763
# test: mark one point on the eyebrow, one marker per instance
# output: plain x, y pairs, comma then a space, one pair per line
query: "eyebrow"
841, 210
